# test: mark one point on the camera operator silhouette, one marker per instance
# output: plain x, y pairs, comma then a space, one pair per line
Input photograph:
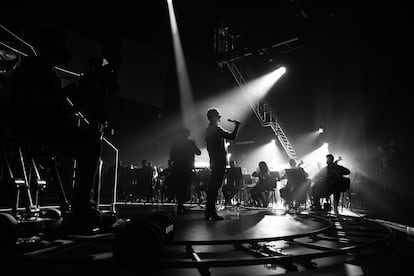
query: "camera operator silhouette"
42, 115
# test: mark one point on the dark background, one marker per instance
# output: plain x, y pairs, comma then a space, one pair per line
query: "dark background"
348, 71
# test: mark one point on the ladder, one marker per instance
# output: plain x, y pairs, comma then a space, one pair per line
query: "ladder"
263, 112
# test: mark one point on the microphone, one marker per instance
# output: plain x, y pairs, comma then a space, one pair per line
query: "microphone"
233, 121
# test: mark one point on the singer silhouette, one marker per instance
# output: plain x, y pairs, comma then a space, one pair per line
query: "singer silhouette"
214, 137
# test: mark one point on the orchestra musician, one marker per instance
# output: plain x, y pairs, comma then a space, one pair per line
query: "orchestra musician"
330, 180
266, 182
168, 187
296, 190
182, 153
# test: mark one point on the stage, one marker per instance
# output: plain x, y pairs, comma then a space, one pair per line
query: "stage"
249, 241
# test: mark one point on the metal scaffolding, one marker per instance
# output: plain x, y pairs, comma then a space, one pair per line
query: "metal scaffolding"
264, 113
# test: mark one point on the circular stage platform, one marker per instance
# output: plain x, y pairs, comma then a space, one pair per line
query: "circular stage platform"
250, 225
272, 239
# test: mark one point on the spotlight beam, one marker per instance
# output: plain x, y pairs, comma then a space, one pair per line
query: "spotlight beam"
186, 95
260, 111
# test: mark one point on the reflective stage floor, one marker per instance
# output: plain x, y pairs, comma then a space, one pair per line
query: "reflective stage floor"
249, 241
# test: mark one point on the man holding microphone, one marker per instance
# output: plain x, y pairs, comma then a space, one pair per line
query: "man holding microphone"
214, 137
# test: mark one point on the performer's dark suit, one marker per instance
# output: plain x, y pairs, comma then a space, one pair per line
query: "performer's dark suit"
214, 137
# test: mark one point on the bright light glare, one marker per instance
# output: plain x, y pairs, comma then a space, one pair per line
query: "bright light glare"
203, 159
201, 164
315, 160
269, 153
258, 88
238, 104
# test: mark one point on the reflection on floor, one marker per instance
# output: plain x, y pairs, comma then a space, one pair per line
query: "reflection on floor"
249, 241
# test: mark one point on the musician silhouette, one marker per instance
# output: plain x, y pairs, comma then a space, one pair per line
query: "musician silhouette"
41, 115
330, 180
182, 154
266, 182
296, 189
168, 188
144, 181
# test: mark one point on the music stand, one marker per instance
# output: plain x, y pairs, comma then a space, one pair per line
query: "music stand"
247, 178
247, 183
275, 175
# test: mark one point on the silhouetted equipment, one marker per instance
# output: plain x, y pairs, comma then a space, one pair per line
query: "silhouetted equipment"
136, 242
96, 90
7, 55
8, 61
22, 175
166, 222
224, 43
20, 159
142, 241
